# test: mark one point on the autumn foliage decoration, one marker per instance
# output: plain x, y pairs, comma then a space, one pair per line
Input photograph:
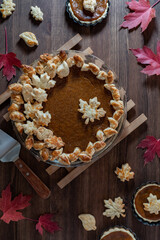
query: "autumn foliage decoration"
11, 211
152, 146
8, 61
142, 14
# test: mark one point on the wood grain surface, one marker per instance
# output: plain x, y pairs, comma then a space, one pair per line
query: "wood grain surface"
87, 192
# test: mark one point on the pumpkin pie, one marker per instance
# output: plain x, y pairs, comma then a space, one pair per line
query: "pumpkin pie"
65, 107
118, 233
87, 12
146, 204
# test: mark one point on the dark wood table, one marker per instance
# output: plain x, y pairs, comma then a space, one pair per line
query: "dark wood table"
87, 192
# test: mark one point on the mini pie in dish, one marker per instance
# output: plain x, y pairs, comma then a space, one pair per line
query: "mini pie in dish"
87, 12
67, 108
118, 233
146, 204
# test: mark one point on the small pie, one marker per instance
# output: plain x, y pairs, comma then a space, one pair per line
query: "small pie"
87, 12
66, 108
146, 203
118, 233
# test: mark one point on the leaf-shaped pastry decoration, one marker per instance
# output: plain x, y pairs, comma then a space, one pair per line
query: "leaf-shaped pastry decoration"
124, 173
153, 205
115, 208
29, 38
88, 221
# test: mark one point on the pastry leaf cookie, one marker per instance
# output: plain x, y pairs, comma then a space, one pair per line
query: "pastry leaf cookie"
124, 173
114, 208
88, 221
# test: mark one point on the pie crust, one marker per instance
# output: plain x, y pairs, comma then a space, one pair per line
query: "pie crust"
28, 98
118, 233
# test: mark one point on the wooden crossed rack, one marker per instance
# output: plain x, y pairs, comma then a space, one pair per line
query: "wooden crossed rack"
128, 127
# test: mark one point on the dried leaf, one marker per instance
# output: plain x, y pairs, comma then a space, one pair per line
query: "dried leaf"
88, 221
9, 208
115, 209
45, 222
153, 147
146, 56
142, 14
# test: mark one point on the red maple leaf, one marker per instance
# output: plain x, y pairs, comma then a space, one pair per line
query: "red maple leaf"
153, 147
142, 14
7, 61
45, 222
9, 208
146, 56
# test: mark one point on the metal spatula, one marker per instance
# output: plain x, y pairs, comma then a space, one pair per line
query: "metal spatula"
9, 152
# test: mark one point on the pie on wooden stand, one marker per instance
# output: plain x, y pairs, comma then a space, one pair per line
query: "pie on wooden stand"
66, 107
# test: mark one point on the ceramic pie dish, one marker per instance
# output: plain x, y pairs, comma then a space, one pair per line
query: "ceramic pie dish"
118, 233
69, 116
89, 16
146, 203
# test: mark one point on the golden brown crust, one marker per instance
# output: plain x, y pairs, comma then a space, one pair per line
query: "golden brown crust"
63, 55
94, 68
56, 153
39, 68
78, 60
17, 116
99, 145
117, 105
15, 88
54, 142
109, 132
46, 57
84, 157
44, 153
90, 149
118, 114
64, 159
110, 77
17, 99
102, 75
74, 156
29, 142
113, 122
24, 79
29, 70
14, 107
38, 145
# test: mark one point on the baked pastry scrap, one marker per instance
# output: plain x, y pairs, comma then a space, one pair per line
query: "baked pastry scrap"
45, 107
146, 204
88, 221
124, 173
37, 13
87, 12
29, 38
7, 8
118, 233
115, 208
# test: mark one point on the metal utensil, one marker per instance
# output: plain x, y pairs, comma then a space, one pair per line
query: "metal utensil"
9, 152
